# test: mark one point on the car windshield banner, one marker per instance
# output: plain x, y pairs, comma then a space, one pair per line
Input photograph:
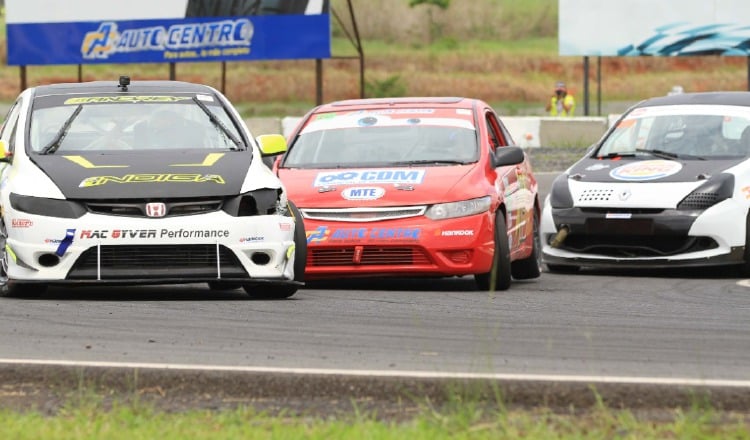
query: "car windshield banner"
143, 31
654, 27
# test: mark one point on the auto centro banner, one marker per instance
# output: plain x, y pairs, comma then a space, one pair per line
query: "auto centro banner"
142, 31
654, 27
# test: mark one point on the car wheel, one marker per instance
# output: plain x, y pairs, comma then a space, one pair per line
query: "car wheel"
9, 287
222, 285
282, 291
531, 266
498, 278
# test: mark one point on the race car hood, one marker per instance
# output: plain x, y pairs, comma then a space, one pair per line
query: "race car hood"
360, 187
650, 183
148, 174
648, 169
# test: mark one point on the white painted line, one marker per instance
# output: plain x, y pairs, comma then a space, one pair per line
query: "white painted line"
635, 380
743, 283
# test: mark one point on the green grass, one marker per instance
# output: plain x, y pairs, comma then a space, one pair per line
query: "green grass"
465, 421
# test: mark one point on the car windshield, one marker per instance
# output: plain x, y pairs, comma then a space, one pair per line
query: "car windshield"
123, 122
376, 139
681, 132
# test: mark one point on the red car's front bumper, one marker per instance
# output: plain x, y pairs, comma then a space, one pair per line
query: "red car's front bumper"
405, 247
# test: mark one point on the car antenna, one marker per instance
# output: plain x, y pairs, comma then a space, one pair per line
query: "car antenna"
124, 83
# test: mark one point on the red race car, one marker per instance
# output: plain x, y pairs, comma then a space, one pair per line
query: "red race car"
413, 187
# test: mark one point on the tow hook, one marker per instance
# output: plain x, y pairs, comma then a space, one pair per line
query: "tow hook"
560, 237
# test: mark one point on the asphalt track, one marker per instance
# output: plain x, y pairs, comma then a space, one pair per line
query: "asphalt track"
666, 328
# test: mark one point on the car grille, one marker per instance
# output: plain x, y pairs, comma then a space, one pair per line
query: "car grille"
595, 195
633, 246
138, 208
363, 214
156, 261
366, 256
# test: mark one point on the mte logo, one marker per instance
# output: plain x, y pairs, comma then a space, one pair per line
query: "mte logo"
363, 193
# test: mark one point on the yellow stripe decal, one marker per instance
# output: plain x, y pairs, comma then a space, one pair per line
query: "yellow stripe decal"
210, 160
82, 161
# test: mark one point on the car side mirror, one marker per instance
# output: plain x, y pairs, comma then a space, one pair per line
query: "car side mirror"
505, 156
271, 144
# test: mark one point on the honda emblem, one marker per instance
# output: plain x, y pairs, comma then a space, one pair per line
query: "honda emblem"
156, 209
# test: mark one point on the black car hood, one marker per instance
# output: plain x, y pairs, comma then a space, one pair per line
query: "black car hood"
149, 174
648, 169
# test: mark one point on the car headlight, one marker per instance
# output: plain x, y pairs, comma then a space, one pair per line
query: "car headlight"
47, 207
713, 191
560, 195
265, 201
464, 208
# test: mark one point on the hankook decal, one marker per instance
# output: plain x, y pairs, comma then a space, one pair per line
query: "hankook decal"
151, 178
646, 170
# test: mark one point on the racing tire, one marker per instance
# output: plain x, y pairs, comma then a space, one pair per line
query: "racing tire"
531, 266
560, 268
223, 285
281, 291
11, 288
498, 278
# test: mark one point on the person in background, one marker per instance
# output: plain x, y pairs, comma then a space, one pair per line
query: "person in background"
561, 103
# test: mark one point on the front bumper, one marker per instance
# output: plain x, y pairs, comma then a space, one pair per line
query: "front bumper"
644, 238
118, 249
415, 246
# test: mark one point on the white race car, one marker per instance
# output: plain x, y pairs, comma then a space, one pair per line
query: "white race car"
668, 185
154, 182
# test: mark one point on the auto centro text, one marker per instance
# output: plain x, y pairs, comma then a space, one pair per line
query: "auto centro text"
153, 233
107, 40
355, 177
323, 233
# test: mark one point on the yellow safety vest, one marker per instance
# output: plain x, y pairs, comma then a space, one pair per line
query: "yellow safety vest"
567, 100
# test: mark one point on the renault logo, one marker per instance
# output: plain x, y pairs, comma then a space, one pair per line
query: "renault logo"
156, 209
624, 194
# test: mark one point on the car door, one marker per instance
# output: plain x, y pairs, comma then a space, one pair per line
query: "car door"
512, 184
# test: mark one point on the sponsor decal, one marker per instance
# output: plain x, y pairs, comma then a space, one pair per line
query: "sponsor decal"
124, 98
324, 233
116, 234
456, 233
363, 193
107, 40
251, 239
151, 178
360, 177
285, 226
21, 223
597, 167
746, 190
321, 233
646, 170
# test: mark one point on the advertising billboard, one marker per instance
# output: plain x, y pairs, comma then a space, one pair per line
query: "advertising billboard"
654, 27
41, 32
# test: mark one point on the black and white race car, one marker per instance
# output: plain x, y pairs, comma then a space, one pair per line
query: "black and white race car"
154, 182
667, 185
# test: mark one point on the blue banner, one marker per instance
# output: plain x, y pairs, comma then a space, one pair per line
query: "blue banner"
263, 37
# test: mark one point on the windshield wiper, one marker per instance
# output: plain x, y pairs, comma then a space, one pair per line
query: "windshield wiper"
217, 122
615, 154
57, 140
668, 154
429, 161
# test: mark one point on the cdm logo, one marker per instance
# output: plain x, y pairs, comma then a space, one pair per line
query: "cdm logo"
363, 193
